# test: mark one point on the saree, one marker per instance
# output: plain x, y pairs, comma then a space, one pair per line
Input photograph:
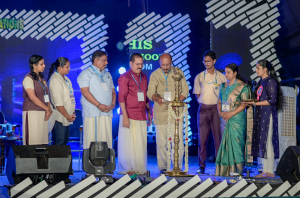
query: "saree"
235, 147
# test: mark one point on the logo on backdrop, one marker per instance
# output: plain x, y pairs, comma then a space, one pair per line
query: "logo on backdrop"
152, 35
16, 24
150, 50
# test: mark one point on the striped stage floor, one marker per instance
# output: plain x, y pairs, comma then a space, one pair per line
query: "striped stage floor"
161, 186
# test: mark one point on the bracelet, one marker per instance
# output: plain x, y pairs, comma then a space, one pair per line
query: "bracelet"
99, 104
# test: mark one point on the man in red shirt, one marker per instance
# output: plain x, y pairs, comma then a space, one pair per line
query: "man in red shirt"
132, 138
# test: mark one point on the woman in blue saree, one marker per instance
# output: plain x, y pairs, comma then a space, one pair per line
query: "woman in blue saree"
234, 118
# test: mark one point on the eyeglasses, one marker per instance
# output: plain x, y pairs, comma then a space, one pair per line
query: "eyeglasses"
206, 62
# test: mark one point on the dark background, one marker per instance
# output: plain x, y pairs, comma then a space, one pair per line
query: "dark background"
15, 53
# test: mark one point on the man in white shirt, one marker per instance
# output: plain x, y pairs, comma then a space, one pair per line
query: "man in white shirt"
98, 99
206, 88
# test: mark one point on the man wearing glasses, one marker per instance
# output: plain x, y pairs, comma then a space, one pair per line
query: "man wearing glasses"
206, 88
162, 88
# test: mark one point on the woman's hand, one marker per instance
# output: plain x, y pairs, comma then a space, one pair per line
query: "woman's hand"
222, 115
48, 114
228, 116
71, 118
248, 103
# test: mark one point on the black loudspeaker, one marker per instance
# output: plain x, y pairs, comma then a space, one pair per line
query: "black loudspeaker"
52, 163
289, 165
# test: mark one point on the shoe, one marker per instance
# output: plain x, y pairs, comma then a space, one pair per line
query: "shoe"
201, 170
163, 171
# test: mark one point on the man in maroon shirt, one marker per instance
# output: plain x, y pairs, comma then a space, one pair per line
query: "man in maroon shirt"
132, 138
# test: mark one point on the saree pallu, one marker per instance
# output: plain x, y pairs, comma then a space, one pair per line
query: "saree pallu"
235, 147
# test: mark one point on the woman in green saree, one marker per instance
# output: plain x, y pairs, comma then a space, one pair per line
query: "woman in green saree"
234, 119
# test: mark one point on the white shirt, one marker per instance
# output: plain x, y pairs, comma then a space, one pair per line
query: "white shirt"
209, 87
90, 78
61, 94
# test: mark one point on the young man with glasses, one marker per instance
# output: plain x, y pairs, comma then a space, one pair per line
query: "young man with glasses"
206, 90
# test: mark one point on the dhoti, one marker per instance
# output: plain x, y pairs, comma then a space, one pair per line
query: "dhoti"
161, 144
132, 147
97, 129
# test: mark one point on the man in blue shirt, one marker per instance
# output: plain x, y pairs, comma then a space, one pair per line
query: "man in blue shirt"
97, 101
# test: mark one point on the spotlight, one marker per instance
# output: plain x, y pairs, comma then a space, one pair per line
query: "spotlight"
117, 88
118, 110
99, 160
122, 70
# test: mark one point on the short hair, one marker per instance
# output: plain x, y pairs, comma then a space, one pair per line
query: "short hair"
168, 54
135, 55
210, 53
99, 54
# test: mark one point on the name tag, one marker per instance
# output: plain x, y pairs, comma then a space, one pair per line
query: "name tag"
216, 86
167, 96
140, 96
72, 98
225, 106
104, 86
46, 98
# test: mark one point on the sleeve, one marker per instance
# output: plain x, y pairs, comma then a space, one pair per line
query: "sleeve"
223, 78
83, 79
197, 86
272, 92
28, 83
112, 86
123, 88
185, 87
246, 93
56, 93
153, 83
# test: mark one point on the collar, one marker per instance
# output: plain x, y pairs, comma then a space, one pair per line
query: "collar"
171, 68
97, 69
215, 71
131, 72
56, 73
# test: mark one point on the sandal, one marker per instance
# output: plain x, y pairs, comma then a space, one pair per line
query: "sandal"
130, 173
270, 175
261, 175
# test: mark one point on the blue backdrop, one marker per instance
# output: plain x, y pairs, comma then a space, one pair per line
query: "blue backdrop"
15, 49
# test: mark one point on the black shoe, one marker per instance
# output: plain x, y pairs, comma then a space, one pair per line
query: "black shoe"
201, 170
163, 171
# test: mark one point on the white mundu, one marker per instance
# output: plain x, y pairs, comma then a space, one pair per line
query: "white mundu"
97, 132
162, 139
97, 125
132, 150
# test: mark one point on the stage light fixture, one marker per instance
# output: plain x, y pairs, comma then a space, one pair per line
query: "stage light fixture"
122, 70
99, 160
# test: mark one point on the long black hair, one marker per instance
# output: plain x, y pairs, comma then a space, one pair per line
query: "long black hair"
272, 74
60, 62
235, 68
34, 60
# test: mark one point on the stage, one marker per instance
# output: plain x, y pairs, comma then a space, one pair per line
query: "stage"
126, 187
